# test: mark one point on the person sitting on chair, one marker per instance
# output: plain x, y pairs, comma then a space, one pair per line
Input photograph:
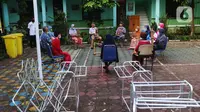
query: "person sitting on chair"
135, 56
109, 41
74, 35
45, 39
161, 41
120, 32
93, 31
56, 50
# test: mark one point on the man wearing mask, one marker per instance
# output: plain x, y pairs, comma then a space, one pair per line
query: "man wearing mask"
32, 33
45, 39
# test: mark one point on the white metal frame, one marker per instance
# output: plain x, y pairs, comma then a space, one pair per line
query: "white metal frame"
162, 95
131, 70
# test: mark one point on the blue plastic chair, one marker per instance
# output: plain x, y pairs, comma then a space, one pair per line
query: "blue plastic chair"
50, 54
109, 53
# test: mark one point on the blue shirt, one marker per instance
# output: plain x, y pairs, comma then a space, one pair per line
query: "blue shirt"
44, 39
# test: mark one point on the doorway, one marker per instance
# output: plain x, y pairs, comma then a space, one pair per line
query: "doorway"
57, 6
121, 11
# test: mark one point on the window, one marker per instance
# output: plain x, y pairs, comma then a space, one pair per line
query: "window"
91, 15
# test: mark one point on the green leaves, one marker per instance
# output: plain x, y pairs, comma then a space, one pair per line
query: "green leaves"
98, 4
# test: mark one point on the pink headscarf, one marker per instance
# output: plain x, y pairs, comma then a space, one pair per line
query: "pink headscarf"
162, 25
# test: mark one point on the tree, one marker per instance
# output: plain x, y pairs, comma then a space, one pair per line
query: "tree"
98, 4
192, 4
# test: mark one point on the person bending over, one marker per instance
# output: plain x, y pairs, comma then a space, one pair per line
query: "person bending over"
56, 50
109, 41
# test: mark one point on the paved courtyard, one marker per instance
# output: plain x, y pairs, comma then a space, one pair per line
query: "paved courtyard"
101, 92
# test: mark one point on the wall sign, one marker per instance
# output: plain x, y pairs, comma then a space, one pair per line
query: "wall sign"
130, 6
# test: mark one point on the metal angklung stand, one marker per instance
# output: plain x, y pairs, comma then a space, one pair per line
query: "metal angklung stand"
78, 72
37, 95
173, 95
131, 71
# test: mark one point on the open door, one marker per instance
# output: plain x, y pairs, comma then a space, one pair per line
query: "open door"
134, 21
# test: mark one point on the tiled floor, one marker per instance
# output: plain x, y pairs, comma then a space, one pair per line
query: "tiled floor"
101, 92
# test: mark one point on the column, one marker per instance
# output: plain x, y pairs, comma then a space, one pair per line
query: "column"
157, 15
43, 12
65, 7
115, 16
5, 16
153, 9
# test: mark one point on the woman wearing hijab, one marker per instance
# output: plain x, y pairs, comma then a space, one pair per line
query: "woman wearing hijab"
135, 56
161, 41
148, 32
56, 50
109, 41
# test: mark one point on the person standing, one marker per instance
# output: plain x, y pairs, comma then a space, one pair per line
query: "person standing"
32, 33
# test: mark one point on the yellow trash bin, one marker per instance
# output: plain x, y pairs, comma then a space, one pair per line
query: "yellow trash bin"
11, 45
19, 43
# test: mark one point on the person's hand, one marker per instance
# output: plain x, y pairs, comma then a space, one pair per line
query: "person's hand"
135, 53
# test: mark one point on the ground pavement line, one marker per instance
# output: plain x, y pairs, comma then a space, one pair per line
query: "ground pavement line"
174, 75
87, 57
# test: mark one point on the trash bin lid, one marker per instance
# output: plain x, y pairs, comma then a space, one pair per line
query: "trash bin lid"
9, 37
18, 34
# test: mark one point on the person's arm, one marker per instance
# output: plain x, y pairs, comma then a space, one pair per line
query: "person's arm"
137, 47
90, 31
117, 31
29, 25
124, 30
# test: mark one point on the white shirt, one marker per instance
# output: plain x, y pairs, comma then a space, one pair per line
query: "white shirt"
92, 30
32, 28
72, 31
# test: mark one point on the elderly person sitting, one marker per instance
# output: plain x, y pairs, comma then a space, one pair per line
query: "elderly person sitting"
120, 32
93, 31
45, 39
74, 35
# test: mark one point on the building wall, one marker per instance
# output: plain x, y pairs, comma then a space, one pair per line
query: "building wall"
74, 14
12, 6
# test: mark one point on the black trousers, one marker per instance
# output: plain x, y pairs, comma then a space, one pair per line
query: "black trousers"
138, 58
32, 41
108, 63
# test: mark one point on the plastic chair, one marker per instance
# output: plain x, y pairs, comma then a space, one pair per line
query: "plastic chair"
146, 51
109, 54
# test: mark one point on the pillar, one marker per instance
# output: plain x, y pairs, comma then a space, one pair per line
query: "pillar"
65, 7
153, 9
5, 16
43, 12
157, 15
115, 16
